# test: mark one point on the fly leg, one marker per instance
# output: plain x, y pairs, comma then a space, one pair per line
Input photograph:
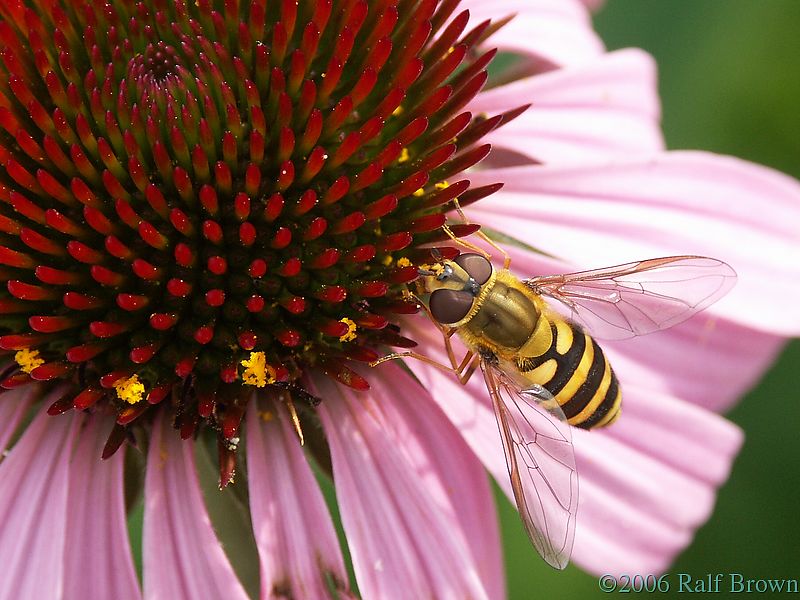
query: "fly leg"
483, 236
462, 369
480, 234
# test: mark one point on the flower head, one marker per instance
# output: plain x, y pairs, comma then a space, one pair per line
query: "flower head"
210, 215
201, 199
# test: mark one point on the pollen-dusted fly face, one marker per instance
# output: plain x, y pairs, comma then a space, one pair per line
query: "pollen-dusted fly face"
454, 285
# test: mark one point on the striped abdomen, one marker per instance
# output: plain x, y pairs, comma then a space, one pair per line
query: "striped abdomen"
575, 370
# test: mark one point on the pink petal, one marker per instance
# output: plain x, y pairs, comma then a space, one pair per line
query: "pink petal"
415, 504
708, 362
558, 32
13, 406
467, 406
97, 533
648, 483
182, 557
296, 540
33, 508
604, 107
668, 204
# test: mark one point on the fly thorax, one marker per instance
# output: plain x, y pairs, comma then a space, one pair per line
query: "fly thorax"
506, 316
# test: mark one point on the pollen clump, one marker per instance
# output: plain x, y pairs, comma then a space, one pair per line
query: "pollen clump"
403, 262
131, 390
351, 330
256, 370
28, 359
436, 268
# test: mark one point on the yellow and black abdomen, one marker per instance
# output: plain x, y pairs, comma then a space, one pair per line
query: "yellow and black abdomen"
576, 371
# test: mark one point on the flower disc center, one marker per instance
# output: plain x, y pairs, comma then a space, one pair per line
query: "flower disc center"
156, 64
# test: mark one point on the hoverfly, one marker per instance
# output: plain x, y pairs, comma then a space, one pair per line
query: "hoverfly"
544, 373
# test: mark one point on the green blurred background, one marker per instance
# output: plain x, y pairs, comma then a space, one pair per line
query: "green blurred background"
730, 83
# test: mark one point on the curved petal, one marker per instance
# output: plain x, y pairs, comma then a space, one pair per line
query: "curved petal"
558, 32
415, 503
33, 508
604, 107
13, 406
649, 482
295, 536
467, 406
97, 532
668, 204
182, 557
708, 362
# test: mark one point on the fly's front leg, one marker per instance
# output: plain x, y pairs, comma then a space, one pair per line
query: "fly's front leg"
484, 237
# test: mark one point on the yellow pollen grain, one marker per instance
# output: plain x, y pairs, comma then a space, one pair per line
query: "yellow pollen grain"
131, 390
450, 50
398, 111
442, 185
351, 330
387, 260
266, 415
404, 155
419, 192
28, 359
435, 268
256, 370
403, 262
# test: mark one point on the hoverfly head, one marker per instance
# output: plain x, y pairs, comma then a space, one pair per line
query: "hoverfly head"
454, 285
446, 274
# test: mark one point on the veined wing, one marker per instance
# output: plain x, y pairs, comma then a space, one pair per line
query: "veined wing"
639, 297
541, 463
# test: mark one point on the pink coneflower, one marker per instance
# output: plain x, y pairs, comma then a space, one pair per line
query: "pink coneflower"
210, 215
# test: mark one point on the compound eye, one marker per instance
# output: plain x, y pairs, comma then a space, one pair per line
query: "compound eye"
476, 265
450, 306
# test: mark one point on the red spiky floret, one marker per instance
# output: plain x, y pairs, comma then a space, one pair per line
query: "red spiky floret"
182, 187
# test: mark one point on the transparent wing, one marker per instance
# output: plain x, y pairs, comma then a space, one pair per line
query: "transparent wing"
639, 297
541, 463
